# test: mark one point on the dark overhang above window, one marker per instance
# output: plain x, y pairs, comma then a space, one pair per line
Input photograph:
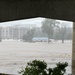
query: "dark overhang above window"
23, 9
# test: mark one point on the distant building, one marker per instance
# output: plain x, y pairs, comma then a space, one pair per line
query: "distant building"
10, 32
15, 32
5, 33
0, 32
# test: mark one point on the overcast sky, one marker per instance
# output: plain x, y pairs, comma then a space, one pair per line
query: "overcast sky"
36, 21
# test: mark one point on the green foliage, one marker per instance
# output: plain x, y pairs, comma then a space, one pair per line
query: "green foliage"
38, 67
59, 69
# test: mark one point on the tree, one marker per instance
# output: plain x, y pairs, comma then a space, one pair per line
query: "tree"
48, 26
56, 34
39, 33
29, 35
69, 33
37, 67
62, 31
25, 38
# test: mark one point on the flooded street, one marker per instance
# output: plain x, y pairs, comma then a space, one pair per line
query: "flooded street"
15, 54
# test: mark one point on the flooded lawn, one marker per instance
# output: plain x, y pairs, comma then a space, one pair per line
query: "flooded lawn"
15, 54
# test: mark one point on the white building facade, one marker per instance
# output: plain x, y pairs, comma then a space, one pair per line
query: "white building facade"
14, 32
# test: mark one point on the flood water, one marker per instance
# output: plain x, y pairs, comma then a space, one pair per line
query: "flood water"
15, 54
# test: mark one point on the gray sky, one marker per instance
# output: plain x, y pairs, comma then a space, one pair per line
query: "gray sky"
36, 21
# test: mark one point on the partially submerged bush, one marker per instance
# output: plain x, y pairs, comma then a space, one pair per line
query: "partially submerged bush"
37, 67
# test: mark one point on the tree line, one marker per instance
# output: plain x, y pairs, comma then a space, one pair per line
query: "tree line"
52, 29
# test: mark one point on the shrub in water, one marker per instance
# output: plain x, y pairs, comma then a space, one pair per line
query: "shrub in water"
37, 67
